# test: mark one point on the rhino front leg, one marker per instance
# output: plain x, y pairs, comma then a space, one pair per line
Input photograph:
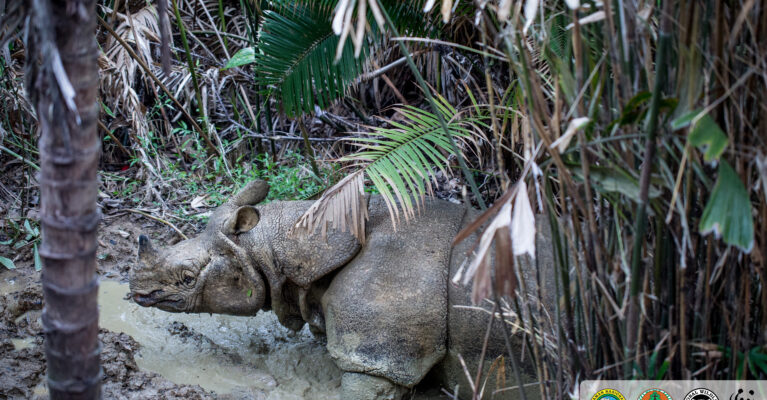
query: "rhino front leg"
357, 386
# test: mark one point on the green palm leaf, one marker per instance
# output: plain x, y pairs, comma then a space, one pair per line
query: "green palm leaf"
295, 54
296, 47
398, 160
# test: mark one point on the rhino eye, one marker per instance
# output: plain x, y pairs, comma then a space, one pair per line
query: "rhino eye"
188, 277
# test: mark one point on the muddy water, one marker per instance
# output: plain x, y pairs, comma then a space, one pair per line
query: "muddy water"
245, 357
12, 283
21, 344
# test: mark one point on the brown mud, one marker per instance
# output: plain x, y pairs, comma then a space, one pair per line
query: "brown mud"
22, 360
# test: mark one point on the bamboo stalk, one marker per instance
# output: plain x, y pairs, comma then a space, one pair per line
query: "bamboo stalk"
640, 224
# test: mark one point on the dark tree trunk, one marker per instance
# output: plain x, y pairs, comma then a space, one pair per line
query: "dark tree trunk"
62, 84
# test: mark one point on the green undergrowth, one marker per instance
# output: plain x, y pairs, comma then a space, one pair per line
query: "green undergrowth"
290, 179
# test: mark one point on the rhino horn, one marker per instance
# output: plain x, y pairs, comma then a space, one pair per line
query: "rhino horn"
146, 251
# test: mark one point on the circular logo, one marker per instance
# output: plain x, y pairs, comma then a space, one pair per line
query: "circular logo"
654, 394
608, 394
701, 394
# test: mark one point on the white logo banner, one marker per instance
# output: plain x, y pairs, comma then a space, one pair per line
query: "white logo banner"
673, 390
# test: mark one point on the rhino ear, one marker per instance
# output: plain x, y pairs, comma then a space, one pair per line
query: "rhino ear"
242, 220
146, 251
253, 193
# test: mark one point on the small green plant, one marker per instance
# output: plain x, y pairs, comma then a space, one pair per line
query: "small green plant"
291, 179
755, 360
23, 234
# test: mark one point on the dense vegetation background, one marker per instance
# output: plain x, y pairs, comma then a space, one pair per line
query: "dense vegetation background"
633, 128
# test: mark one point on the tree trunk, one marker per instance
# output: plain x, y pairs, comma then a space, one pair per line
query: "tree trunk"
62, 83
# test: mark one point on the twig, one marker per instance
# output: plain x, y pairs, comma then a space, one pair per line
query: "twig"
396, 63
451, 44
253, 134
30, 163
158, 219
114, 139
484, 350
507, 340
391, 85
231, 35
296, 138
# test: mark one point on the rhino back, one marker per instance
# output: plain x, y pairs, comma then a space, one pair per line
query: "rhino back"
386, 311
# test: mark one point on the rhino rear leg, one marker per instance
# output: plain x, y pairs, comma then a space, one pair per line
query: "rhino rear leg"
357, 386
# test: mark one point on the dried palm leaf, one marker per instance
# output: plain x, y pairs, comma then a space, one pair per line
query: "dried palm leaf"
343, 205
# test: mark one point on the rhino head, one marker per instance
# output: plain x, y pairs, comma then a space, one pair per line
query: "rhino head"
244, 261
205, 273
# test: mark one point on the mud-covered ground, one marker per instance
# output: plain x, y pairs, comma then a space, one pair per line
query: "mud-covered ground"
22, 360
150, 354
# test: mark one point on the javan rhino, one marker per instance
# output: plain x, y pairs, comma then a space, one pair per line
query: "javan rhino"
386, 307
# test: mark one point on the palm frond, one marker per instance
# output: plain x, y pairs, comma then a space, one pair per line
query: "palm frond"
343, 205
298, 57
399, 162
296, 48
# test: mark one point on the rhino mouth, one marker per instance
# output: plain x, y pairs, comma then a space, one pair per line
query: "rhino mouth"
155, 299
